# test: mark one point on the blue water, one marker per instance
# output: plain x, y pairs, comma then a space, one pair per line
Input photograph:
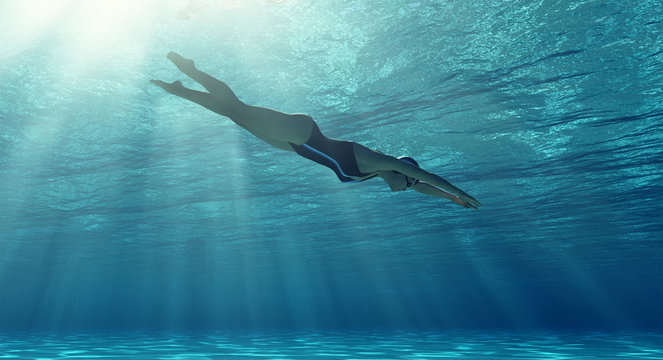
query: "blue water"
125, 209
334, 345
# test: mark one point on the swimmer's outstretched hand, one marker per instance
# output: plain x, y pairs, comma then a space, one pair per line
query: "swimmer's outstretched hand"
467, 201
464, 204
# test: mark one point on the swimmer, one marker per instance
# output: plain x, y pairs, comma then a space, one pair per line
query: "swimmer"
352, 162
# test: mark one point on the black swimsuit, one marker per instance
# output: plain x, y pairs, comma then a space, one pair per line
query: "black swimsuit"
335, 154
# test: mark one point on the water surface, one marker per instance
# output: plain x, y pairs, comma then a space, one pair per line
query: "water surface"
346, 345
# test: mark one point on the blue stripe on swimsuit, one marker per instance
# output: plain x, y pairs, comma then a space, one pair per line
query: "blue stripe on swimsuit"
334, 154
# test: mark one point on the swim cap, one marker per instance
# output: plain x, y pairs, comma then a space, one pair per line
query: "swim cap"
411, 161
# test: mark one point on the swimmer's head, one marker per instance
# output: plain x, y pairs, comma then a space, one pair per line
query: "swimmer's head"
410, 180
398, 181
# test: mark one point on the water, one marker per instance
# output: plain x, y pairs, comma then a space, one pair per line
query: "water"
346, 345
125, 209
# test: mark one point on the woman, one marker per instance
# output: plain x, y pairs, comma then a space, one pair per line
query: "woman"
299, 133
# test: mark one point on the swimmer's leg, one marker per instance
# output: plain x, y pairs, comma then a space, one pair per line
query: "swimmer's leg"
217, 88
294, 128
201, 98
208, 101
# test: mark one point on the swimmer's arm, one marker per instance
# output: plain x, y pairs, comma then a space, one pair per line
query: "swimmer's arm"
372, 161
392, 163
430, 190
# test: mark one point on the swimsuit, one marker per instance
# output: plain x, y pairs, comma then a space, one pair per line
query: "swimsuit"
335, 154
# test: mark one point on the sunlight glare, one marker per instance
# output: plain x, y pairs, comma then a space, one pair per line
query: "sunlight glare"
25, 22
100, 30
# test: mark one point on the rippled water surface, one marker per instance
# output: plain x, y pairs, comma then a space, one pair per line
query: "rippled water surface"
426, 345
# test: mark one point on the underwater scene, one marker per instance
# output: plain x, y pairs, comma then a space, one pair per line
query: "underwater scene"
135, 223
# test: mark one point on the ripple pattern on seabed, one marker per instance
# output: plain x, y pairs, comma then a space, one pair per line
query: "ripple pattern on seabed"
402, 345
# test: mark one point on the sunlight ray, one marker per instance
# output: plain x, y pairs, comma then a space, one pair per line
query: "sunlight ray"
25, 23
108, 34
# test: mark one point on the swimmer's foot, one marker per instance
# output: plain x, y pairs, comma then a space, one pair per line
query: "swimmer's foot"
185, 65
170, 87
